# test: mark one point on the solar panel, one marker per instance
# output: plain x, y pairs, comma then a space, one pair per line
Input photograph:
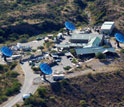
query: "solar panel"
119, 37
6, 51
69, 26
45, 68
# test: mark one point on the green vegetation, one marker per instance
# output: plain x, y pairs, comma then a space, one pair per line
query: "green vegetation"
106, 46
36, 68
34, 50
83, 103
42, 91
67, 68
53, 51
9, 84
27, 18
41, 47
74, 60
21, 19
100, 55
122, 50
83, 91
73, 52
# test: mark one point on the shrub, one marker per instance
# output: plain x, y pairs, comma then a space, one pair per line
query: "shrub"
87, 66
33, 101
67, 68
100, 55
23, 40
33, 50
122, 97
8, 92
48, 44
64, 82
83, 103
12, 74
14, 89
103, 60
13, 65
17, 105
1, 68
3, 98
89, 75
73, 51
106, 46
42, 91
36, 68
41, 47
53, 51
52, 98
117, 72
94, 101
122, 50
74, 60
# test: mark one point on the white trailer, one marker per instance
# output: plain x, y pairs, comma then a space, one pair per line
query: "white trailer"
107, 27
57, 77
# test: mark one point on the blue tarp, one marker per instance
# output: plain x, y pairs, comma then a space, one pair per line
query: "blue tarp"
119, 37
69, 26
6, 51
45, 68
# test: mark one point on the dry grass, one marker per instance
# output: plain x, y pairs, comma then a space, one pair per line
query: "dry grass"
20, 71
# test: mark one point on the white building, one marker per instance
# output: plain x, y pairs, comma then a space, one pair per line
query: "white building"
107, 27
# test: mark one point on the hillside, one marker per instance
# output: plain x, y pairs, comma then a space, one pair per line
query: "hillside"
100, 90
9, 81
33, 17
111, 10
37, 16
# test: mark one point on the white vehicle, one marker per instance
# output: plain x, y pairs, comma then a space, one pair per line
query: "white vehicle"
58, 77
26, 96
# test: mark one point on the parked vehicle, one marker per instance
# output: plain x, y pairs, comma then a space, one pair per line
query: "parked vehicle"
58, 60
25, 96
58, 77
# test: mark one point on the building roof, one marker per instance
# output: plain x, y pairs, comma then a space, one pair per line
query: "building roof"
85, 36
93, 50
94, 42
107, 25
63, 46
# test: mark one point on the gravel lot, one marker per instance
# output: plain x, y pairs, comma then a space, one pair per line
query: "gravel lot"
34, 44
64, 62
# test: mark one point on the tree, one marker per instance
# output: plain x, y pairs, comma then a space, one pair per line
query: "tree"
23, 40
100, 55
73, 52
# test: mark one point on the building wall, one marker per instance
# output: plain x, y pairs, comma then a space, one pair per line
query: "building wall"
78, 41
107, 31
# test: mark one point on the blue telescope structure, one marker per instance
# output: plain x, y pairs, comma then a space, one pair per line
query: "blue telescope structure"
45, 70
69, 26
119, 38
7, 52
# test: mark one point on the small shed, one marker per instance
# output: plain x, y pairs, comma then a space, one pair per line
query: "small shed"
59, 36
107, 27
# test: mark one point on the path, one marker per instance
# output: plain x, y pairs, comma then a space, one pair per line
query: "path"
27, 87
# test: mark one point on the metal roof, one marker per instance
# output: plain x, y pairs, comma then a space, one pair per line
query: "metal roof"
85, 36
95, 50
107, 25
63, 45
94, 42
